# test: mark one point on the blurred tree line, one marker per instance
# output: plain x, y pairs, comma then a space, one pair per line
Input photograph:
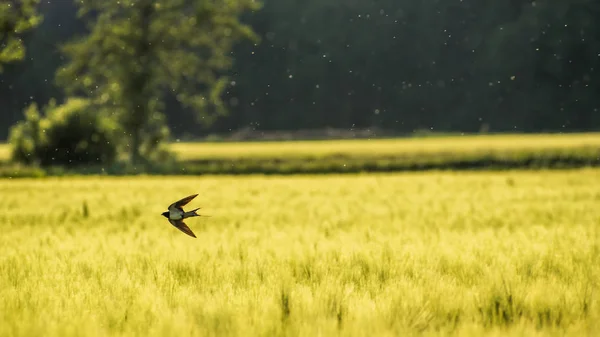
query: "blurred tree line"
444, 65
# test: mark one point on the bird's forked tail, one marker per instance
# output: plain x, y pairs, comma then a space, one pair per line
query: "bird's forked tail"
191, 213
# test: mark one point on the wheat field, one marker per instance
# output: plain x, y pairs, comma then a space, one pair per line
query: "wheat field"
427, 254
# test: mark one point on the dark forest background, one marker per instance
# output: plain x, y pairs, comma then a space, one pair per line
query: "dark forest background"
442, 65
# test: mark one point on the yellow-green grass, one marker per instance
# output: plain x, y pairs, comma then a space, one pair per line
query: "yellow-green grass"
386, 147
433, 254
381, 155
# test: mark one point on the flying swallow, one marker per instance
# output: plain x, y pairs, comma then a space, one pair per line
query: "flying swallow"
176, 214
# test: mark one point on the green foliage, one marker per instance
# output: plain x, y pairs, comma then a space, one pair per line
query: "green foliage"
461, 66
406, 65
16, 17
137, 51
72, 134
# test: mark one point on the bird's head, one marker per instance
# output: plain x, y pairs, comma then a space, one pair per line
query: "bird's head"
165, 214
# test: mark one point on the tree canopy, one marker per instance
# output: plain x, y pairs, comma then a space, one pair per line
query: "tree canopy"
445, 65
16, 17
139, 52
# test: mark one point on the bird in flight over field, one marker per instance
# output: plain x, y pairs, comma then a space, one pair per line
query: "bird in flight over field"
176, 214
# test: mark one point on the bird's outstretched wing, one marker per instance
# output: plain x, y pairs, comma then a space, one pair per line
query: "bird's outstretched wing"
182, 202
179, 224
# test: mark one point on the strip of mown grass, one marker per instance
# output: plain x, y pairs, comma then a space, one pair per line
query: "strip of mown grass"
352, 156
470, 144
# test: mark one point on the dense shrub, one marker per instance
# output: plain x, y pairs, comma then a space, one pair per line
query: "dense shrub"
71, 134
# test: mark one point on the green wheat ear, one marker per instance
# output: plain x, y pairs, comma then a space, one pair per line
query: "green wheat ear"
86, 211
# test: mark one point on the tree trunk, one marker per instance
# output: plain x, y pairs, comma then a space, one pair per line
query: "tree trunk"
139, 85
135, 156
